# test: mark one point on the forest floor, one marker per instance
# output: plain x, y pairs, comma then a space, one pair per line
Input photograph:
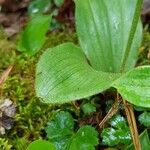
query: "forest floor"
32, 115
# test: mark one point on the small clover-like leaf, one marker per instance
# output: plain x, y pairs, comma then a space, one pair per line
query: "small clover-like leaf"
109, 137
119, 133
118, 122
144, 119
60, 130
85, 139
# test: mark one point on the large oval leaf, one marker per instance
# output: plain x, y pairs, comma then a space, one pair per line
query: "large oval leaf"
103, 28
63, 74
134, 86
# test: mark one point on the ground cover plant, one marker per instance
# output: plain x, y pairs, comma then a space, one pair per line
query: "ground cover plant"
101, 73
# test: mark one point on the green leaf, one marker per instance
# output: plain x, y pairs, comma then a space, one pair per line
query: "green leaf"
119, 133
145, 142
33, 36
144, 119
109, 137
85, 139
58, 3
134, 86
63, 75
38, 6
138, 108
118, 122
103, 29
41, 145
59, 130
88, 108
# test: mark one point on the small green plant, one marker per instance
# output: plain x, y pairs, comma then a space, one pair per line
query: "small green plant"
60, 132
63, 73
144, 118
38, 7
118, 133
109, 34
88, 108
34, 35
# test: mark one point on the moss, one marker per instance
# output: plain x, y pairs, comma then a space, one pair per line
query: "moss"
32, 115
4, 145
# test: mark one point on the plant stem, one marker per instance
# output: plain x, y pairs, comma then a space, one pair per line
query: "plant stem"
132, 124
132, 33
128, 107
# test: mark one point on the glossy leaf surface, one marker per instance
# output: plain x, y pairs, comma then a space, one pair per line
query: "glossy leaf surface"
58, 3
33, 36
38, 6
85, 139
144, 119
119, 133
41, 145
134, 86
103, 28
59, 130
63, 75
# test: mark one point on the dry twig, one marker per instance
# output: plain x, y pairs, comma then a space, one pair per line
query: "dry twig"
111, 112
132, 124
5, 74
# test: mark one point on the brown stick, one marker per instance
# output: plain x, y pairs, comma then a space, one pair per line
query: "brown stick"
113, 110
5, 74
132, 124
